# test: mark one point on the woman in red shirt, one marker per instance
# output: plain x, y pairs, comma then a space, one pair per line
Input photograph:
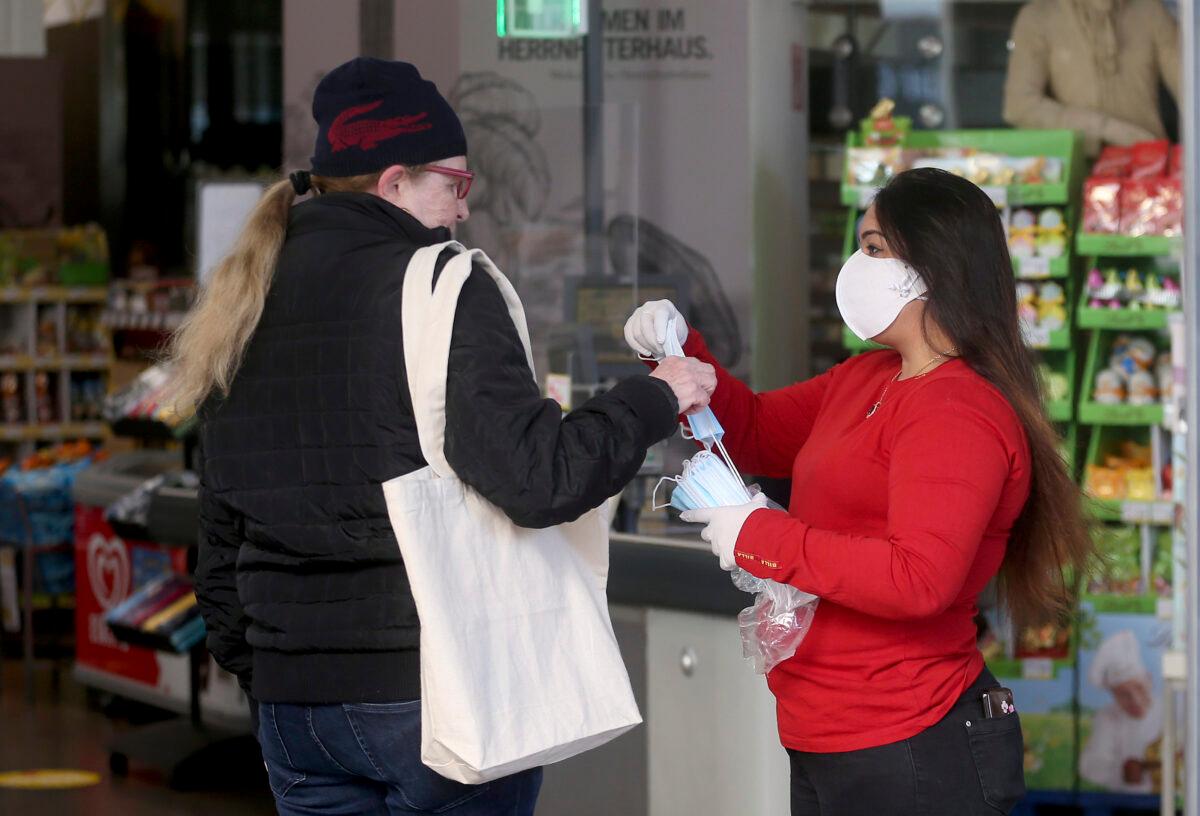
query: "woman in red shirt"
918, 474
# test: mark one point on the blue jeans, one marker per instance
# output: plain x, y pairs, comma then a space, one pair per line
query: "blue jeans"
365, 758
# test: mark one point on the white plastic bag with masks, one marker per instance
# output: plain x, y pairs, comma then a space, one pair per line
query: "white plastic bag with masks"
777, 622
519, 664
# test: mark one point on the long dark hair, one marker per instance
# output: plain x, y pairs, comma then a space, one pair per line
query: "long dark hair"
949, 231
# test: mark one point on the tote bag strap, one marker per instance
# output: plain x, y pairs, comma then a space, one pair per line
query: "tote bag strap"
428, 324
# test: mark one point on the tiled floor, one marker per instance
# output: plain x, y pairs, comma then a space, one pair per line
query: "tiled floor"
67, 733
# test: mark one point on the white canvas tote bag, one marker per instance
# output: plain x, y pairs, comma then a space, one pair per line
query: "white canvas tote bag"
519, 664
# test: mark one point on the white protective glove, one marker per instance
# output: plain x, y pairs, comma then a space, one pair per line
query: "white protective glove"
724, 525
646, 328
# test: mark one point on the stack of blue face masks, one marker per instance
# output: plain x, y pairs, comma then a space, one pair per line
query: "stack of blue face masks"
707, 481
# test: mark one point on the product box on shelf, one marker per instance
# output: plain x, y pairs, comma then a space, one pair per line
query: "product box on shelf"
1121, 693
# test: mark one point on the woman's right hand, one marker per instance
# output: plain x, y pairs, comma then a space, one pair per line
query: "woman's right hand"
692, 381
646, 328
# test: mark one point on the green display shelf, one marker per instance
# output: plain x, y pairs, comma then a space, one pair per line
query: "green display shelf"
1041, 268
1060, 411
1124, 245
1121, 319
1094, 413
1060, 144
1122, 604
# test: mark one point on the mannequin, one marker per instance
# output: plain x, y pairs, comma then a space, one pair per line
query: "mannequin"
1092, 66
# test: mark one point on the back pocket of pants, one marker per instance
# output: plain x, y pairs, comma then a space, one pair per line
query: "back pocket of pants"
999, 753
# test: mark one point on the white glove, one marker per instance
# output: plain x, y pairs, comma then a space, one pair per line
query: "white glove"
646, 328
724, 525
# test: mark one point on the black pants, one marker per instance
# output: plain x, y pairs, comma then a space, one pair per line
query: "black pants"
962, 766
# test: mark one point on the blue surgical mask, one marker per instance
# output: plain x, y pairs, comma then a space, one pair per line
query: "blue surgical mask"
703, 424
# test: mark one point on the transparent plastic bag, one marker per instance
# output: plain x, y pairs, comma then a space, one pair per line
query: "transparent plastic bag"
775, 625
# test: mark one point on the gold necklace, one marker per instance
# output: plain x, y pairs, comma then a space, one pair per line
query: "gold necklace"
871, 411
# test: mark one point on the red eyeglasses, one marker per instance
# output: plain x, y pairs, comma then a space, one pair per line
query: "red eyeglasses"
465, 177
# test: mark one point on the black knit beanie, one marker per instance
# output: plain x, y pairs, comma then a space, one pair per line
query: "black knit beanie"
374, 113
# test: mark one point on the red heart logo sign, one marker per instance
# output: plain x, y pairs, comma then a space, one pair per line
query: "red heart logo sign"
108, 570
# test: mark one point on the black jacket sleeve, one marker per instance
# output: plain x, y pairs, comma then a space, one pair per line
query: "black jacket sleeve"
515, 447
216, 585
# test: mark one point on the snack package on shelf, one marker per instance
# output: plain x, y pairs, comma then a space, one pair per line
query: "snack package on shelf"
1120, 564
1109, 289
1135, 191
1137, 374
1102, 206
1149, 159
12, 398
1113, 163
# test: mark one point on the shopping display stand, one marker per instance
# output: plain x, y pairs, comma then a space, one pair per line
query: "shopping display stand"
187, 749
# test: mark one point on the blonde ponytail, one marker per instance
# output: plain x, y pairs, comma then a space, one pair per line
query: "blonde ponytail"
207, 348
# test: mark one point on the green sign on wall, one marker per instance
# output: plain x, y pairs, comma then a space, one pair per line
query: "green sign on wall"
546, 19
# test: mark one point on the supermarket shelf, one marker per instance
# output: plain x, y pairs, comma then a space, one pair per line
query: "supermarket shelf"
1015, 195
1158, 513
1130, 319
1041, 268
143, 321
1094, 413
63, 362
1060, 411
1125, 245
53, 432
53, 294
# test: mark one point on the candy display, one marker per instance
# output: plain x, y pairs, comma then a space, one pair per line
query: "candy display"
874, 166
1135, 191
885, 129
1042, 307
1040, 235
1127, 474
1110, 289
1136, 375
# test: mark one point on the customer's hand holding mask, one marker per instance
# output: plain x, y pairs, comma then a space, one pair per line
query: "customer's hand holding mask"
692, 381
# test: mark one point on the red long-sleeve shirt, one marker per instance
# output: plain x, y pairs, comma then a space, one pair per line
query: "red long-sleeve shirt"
897, 522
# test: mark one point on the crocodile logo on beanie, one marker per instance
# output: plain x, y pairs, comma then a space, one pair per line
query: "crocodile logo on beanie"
374, 113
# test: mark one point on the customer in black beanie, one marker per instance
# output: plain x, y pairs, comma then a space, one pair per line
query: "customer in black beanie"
293, 355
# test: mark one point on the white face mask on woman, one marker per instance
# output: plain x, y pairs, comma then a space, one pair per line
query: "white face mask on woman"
872, 291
